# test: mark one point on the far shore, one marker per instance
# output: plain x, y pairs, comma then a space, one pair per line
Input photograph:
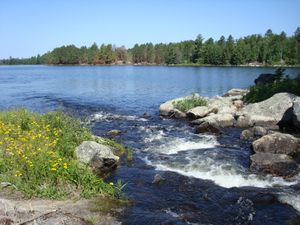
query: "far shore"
166, 65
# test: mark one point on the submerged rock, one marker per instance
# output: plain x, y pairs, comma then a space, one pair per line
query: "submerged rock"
98, 156
276, 164
113, 133
277, 143
158, 179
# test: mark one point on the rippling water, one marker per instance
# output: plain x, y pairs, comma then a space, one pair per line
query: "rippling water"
207, 180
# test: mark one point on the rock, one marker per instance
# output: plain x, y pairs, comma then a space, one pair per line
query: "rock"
167, 108
247, 134
114, 133
265, 78
235, 92
146, 115
238, 104
269, 111
259, 131
217, 120
158, 179
296, 113
98, 156
242, 122
177, 114
222, 105
276, 164
57, 218
286, 123
277, 143
206, 127
43, 212
198, 112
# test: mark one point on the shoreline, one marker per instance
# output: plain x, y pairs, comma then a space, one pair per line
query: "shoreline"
160, 65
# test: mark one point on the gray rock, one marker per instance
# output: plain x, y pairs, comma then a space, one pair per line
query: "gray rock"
276, 164
296, 112
217, 120
238, 104
269, 111
222, 105
235, 92
167, 108
259, 131
198, 112
158, 179
98, 156
206, 127
242, 122
277, 143
247, 134
113, 133
177, 114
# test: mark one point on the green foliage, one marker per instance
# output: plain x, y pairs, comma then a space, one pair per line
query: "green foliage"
118, 149
37, 156
270, 49
187, 104
262, 92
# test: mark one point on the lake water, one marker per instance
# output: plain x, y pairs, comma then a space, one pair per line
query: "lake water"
207, 180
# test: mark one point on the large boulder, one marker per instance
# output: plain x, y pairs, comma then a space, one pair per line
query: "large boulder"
296, 112
269, 111
276, 164
217, 120
276, 143
167, 108
98, 156
198, 112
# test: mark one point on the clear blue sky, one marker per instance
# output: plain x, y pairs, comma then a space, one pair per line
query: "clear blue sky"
29, 27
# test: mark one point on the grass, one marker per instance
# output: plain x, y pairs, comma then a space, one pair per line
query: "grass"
187, 104
37, 156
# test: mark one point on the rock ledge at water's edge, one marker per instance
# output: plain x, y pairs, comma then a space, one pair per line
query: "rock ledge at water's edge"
263, 123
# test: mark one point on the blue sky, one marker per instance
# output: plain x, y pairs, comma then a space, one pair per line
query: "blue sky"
29, 27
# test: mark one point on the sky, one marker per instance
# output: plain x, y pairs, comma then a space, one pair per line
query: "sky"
31, 27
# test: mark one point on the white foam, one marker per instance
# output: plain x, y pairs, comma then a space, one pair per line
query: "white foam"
155, 137
291, 199
173, 146
103, 116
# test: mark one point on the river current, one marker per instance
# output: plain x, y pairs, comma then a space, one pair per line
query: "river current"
206, 178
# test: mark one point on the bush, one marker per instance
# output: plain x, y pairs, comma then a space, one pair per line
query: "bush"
187, 104
262, 92
37, 156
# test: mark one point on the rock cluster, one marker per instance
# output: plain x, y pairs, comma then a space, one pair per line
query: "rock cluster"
272, 149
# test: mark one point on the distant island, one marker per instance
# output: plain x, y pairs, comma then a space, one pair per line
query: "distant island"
253, 50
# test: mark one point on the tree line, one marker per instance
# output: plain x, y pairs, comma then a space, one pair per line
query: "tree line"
256, 49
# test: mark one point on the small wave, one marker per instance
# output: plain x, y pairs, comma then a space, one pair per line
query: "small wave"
292, 199
174, 145
104, 116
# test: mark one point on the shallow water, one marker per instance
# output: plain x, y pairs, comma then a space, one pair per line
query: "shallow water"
207, 180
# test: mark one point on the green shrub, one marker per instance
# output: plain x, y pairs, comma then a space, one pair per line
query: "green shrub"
187, 104
262, 92
37, 156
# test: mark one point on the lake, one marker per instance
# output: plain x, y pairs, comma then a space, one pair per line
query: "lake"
207, 178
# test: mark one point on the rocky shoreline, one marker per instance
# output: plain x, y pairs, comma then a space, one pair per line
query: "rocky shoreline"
271, 125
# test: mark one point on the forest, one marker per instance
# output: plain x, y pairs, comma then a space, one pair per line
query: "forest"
256, 49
